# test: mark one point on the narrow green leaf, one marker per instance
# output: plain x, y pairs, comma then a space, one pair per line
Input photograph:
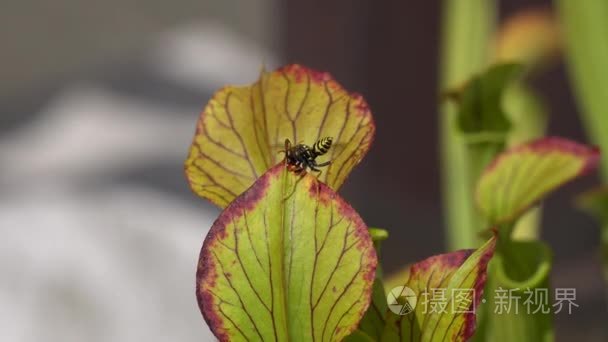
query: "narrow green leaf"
523, 175
448, 289
528, 115
242, 129
595, 202
288, 260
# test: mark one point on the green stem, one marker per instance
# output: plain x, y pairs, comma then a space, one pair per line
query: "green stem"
586, 34
467, 29
529, 119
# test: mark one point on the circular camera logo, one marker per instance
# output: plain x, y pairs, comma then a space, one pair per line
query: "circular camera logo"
401, 300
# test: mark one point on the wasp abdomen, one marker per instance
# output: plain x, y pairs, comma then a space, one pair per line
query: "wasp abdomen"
302, 156
322, 146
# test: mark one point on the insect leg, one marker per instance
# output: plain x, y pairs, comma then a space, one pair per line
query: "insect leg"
296, 184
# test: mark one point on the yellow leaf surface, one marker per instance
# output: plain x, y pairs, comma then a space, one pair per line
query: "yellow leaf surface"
523, 175
242, 129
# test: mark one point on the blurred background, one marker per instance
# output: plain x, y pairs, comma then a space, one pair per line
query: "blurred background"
98, 104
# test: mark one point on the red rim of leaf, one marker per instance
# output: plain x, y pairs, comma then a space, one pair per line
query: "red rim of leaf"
450, 264
551, 144
590, 155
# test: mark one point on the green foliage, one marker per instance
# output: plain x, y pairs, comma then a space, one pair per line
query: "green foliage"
288, 259
467, 29
242, 130
442, 275
585, 30
480, 114
483, 127
516, 180
521, 176
520, 269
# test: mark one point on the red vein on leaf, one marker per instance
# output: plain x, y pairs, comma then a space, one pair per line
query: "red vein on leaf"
282, 232
255, 132
342, 253
238, 135
304, 99
418, 292
314, 265
265, 113
347, 116
225, 245
219, 307
464, 279
291, 240
232, 322
267, 242
271, 285
355, 150
213, 180
218, 144
514, 171
448, 327
277, 129
299, 111
285, 109
444, 276
356, 147
233, 130
326, 113
255, 252
544, 176
237, 294
204, 189
459, 332
238, 256
346, 287
329, 230
223, 167
213, 114
339, 137
537, 167
344, 315
221, 300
